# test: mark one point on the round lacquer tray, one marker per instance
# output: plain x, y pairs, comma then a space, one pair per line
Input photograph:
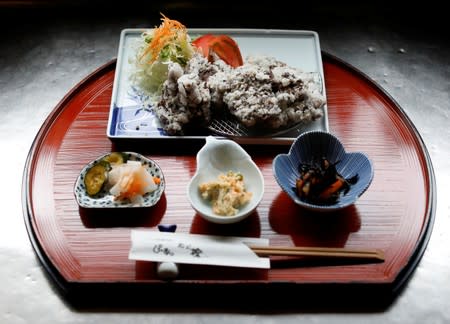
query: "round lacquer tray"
86, 251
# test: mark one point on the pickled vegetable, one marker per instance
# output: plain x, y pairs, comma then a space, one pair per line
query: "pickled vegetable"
96, 178
116, 158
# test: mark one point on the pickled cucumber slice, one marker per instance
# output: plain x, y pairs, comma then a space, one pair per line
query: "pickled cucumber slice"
116, 158
95, 178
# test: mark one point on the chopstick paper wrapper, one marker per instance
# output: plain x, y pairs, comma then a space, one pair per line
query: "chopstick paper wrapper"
196, 249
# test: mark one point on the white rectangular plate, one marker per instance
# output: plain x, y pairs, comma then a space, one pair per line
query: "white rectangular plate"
297, 48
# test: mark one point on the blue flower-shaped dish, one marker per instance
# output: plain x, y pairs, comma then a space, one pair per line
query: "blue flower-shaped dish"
315, 145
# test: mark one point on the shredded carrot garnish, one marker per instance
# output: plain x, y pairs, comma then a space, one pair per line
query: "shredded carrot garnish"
168, 31
156, 180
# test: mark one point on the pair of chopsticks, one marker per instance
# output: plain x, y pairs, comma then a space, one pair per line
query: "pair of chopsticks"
375, 254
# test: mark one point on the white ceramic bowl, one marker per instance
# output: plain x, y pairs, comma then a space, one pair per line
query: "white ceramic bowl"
220, 156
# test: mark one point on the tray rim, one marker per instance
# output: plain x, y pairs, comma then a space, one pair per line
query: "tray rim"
278, 140
75, 289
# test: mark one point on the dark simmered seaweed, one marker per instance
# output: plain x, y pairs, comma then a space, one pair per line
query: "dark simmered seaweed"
320, 183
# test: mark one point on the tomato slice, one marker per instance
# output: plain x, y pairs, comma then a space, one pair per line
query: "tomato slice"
227, 49
202, 43
224, 46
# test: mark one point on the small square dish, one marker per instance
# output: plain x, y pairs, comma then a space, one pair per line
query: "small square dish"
129, 119
104, 198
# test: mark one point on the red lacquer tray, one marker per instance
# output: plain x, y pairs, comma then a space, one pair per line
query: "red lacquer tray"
86, 252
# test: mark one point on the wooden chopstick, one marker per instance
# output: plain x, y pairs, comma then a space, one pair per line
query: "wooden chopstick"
374, 254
